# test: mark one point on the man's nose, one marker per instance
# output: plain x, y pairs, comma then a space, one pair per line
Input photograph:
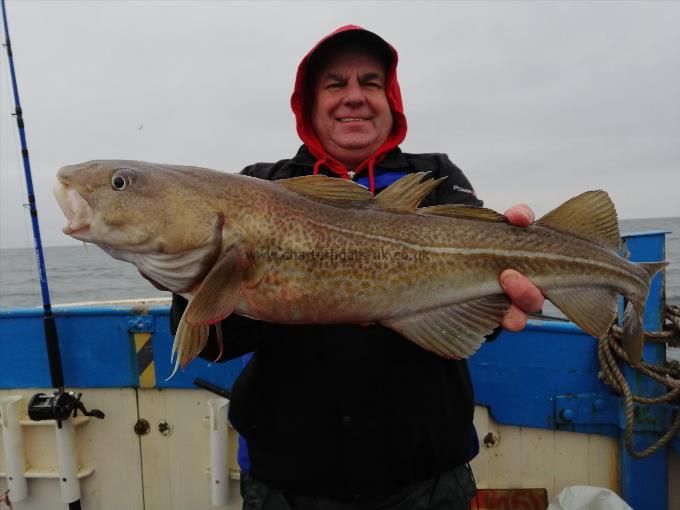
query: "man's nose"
354, 93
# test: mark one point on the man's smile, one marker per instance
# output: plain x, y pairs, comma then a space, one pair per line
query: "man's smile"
352, 119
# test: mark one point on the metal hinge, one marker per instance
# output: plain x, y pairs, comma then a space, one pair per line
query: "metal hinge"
596, 409
141, 324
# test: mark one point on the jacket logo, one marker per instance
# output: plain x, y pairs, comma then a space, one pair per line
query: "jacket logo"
464, 190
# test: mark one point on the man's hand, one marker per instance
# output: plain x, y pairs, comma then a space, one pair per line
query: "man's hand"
524, 295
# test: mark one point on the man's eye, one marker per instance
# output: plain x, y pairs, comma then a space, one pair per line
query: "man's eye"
335, 85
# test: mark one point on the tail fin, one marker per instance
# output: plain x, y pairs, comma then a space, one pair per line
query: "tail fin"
633, 331
653, 267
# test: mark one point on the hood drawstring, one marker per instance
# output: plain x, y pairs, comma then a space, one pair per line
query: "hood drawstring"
371, 177
317, 165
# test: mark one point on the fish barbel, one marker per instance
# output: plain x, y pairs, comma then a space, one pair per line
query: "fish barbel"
323, 250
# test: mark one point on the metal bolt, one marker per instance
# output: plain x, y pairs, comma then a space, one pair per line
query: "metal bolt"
567, 414
164, 428
142, 427
598, 404
140, 323
490, 440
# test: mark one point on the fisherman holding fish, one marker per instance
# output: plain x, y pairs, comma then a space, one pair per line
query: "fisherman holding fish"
359, 280
355, 416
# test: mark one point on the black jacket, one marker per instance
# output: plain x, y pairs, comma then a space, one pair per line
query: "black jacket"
343, 410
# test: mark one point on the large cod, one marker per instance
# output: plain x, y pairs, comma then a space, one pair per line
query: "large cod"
322, 250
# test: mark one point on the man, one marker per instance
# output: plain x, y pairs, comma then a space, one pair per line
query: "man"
348, 416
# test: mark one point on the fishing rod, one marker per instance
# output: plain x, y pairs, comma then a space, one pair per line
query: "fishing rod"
61, 405
51, 338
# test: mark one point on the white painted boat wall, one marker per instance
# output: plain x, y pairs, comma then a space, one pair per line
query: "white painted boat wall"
164, 470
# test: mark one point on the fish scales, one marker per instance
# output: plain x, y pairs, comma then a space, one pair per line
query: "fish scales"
393, 263
479, 264
321, 250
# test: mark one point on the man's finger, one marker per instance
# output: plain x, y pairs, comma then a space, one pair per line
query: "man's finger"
523, 294
520, 215
514, 319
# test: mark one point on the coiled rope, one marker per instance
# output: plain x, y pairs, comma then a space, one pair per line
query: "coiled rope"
668, 374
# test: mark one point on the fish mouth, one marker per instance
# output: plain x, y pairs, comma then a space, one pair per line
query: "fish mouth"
78, 212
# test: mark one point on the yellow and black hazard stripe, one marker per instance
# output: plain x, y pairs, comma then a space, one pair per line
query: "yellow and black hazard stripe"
145, 365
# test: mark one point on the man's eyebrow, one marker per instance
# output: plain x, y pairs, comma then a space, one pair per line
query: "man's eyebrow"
333, 76
371, 76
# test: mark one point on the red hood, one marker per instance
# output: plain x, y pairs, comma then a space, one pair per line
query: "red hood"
306, 131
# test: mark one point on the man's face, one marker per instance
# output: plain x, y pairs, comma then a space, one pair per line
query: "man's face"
351, 115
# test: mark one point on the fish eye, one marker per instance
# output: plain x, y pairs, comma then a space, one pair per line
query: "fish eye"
120, 181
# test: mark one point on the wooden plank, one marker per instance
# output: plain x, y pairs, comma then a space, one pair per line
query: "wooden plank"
603, 462
112, 448
511, 499
537, 458
109, 446
176, 475
480, 464
524, 457
571, 460
503, 464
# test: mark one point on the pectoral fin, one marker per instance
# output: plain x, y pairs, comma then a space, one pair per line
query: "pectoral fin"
217, 295
189, 342
214, 300
453, 331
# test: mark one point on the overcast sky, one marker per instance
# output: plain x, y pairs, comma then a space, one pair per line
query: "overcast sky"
536, 102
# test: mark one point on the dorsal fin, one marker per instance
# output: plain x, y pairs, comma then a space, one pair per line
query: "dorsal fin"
464, 212
590, 215
327, 189
405, 194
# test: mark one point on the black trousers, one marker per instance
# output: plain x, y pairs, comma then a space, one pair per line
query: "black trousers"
451, 490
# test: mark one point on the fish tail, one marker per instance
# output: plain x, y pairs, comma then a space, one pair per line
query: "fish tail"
653, 267
633, 316
592, 216
633, 333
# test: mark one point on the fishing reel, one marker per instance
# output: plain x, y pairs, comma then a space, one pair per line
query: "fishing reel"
59, 406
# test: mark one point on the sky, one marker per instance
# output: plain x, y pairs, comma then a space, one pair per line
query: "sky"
535, 101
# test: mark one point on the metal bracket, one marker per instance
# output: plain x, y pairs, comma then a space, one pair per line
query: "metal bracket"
141, 324
595, 409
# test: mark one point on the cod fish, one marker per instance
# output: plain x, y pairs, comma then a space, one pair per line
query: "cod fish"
320, 250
